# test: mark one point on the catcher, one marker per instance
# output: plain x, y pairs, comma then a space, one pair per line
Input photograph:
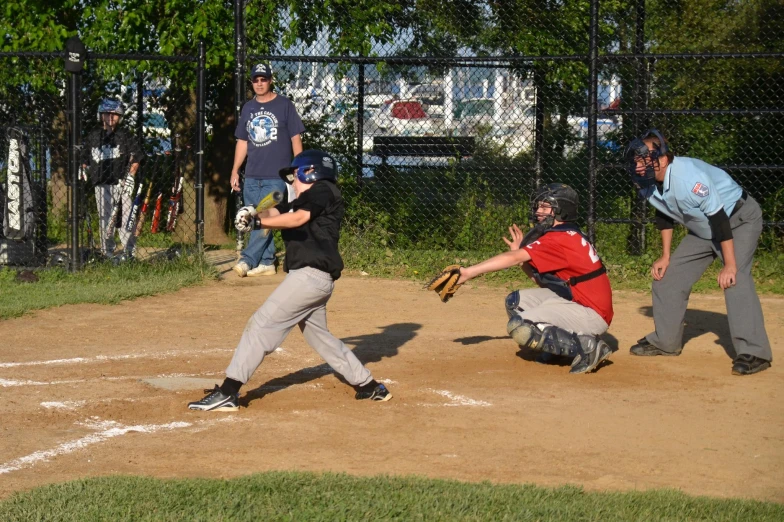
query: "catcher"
573, 306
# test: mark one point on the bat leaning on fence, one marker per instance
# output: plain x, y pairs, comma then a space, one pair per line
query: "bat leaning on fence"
174, 205
143, 212
156, 215
130, 224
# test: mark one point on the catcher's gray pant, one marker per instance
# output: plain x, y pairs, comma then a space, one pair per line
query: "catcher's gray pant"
542, 305
104, 198
300, 299
687, 264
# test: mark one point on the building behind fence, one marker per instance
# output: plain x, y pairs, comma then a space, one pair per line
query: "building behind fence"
441, 138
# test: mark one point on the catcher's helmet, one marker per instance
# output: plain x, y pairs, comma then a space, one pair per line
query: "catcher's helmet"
562, 198
644, 176
310, 166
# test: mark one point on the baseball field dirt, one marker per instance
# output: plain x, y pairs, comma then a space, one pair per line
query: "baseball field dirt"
93, 390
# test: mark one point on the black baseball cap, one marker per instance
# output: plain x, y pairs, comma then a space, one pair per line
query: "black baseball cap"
261, 69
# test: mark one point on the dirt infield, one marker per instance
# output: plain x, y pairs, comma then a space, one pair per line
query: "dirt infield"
77, 400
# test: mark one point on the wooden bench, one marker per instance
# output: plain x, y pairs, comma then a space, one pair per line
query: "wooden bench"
423, 146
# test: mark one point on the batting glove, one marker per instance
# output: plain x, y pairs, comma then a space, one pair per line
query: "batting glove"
245, 219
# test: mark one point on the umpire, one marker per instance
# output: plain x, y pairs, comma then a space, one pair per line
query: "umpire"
722, 221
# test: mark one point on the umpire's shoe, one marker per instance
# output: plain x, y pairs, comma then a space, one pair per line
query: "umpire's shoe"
373, 391
645, 348
746, 364
216, 400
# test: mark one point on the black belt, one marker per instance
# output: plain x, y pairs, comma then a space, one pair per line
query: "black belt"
739, 203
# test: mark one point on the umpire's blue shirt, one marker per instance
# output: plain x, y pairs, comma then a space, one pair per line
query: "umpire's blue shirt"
693, 190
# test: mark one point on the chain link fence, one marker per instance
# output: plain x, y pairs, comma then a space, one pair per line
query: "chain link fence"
445, 116
65, 219
446, 123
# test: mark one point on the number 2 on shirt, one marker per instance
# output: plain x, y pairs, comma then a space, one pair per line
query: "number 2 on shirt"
591, 251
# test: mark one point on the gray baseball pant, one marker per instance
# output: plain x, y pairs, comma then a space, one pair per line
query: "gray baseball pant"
687, 264
542, 305
301, 299
104, 198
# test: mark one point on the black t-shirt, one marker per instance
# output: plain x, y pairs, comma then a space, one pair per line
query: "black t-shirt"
315, 244
108, 155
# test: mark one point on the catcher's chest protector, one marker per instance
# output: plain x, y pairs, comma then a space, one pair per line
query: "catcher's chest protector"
562, 287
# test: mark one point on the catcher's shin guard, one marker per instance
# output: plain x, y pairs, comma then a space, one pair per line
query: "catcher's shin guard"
525, 333
512, 304
545, 337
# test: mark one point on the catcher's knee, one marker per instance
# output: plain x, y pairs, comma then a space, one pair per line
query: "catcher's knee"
512, 304
524, 332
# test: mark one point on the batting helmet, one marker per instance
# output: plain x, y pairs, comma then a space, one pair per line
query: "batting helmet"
110, 106
644, 176
562, 198
310, 166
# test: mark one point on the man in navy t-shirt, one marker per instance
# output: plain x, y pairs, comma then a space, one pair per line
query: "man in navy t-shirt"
268, 135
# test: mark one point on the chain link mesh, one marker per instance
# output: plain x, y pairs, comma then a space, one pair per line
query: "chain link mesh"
159, 105
444, 116
448, 118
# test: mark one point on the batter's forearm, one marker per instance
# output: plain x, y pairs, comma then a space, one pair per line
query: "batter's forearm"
284, 221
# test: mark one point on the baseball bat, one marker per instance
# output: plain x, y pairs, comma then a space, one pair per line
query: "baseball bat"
130, 225
143, 212
269, 201
237, 206
156, 215
174, 205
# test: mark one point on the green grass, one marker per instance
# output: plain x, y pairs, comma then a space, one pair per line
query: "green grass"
626, 272
328, 497
103, 283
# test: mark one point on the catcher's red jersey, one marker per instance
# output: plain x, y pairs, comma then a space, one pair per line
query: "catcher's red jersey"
568, 254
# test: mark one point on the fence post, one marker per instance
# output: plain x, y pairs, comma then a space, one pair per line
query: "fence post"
539, 124
360, 119
639, 101
74, 147
200, 124
239, 58
593, 91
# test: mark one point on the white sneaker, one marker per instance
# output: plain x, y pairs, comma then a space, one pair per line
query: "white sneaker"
262, 270
241, 268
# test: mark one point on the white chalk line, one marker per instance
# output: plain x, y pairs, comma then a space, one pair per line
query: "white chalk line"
106, 430
459, 400
8, 383
111, 358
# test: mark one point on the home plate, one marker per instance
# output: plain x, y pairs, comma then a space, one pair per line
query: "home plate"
182, 383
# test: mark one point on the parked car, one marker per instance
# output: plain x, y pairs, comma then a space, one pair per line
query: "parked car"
403, 117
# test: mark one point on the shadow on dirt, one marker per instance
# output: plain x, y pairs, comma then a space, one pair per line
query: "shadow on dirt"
368, 348
478, 339
699, 322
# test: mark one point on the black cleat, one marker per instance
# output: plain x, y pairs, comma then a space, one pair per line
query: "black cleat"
373, 391
216, 400
587, 362
746, 364
644, 348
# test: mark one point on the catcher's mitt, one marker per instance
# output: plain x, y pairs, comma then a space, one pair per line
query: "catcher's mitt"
445, 282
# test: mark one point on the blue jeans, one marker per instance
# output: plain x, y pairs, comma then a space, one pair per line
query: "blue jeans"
260, 249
